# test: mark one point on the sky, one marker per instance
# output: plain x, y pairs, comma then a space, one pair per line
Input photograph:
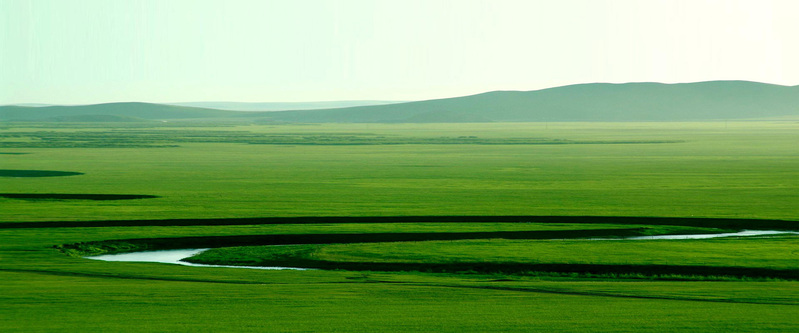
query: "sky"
98, 51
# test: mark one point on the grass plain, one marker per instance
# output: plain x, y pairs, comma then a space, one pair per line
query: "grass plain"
711, 170
746, 170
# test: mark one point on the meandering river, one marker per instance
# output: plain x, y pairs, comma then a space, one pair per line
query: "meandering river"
175, 256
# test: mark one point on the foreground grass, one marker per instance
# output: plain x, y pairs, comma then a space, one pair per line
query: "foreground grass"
45, 290
41, 303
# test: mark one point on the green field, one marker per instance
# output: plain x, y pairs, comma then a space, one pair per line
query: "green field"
746, 170
469, 193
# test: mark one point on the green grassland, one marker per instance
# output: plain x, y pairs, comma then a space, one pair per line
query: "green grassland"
46, 290
200, 174
746, 170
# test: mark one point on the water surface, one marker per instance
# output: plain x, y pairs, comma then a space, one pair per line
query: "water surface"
743, 233
172, 257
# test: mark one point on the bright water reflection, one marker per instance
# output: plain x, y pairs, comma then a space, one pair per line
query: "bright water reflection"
743, 233
171, 257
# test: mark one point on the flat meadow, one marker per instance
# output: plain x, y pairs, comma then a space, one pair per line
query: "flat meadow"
477, 193
746, 170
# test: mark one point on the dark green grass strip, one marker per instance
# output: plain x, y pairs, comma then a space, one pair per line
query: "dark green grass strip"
144, 244
720, 223
522, 268
36, 173
65, 196
597, 294
125, 277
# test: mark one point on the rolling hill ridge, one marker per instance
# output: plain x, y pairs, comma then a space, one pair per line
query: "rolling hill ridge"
147, 111
280, 106
712, 100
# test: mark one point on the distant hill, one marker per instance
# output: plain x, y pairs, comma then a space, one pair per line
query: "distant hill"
713, 100
277, 106
33, 105
91, 118
130, 110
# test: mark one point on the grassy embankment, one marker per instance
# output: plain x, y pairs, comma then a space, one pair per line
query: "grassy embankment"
659, 259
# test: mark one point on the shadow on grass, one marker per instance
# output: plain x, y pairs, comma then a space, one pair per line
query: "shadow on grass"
731, 224
154, 244
642, 271
36, 173
63, 196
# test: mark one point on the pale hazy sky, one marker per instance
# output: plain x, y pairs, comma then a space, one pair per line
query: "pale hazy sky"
93, 51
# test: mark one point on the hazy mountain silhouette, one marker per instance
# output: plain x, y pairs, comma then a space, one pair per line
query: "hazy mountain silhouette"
132, 110
584, 102
713, 100
91, 118
281, 106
